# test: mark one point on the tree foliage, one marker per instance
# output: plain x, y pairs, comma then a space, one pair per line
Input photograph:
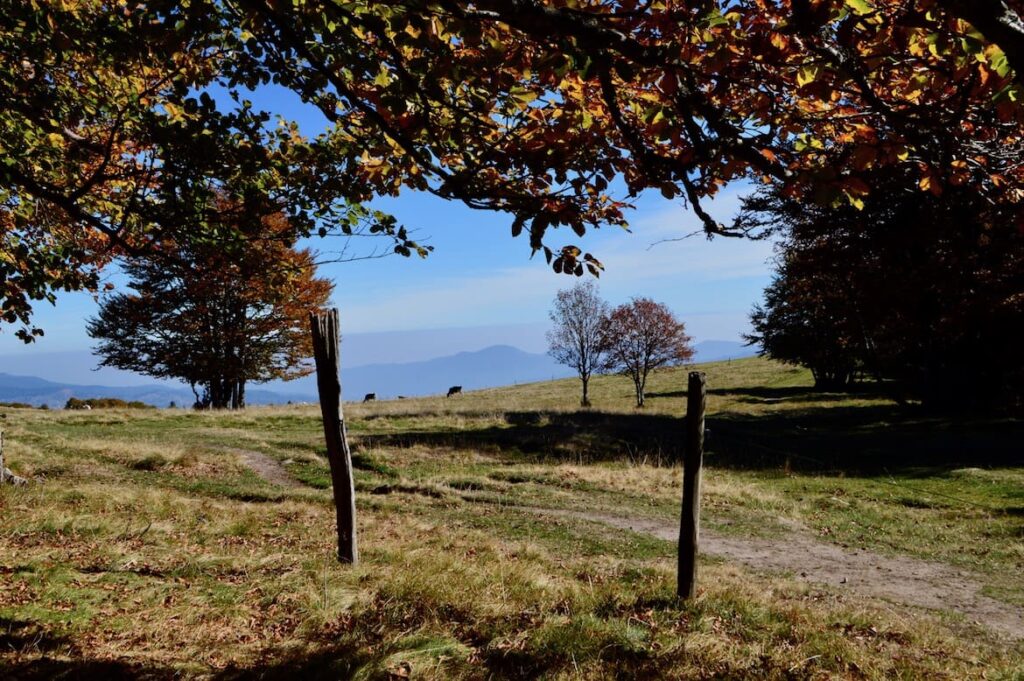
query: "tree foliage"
575, 339
216, 316
807, 319
641, 336
558, 113
537, 107
122, 122
923, 290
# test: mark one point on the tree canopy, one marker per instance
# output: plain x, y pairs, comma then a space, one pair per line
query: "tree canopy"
924, 291
122, 115
123, 121
578, 316
641, 336
216, 316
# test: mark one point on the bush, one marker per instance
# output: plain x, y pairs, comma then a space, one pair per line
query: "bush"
105, 403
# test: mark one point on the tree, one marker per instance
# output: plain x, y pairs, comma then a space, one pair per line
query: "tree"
921, 290
806, 320
556, 101
641, 336
537, 108
578, 315
215, 316
113, 142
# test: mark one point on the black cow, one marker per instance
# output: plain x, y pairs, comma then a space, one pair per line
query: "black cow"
370, 397
454, 390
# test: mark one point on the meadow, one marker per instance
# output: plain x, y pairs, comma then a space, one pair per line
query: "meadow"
508, 534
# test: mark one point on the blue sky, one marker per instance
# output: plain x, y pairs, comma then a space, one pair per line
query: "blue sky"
479, 287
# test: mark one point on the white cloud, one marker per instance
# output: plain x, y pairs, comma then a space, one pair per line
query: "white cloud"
718, 280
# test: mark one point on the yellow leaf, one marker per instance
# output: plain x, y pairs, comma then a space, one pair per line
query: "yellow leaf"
860, 7
806, 75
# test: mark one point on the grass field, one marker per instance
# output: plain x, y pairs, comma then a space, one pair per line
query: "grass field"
147, 548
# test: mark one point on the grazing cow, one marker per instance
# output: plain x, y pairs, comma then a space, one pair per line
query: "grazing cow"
370, 397
454, 390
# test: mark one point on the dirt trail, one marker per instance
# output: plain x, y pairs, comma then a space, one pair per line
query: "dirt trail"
264, 466
900, 579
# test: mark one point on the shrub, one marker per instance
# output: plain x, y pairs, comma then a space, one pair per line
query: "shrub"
105, 403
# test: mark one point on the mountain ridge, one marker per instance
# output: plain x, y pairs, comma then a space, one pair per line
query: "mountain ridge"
493, 366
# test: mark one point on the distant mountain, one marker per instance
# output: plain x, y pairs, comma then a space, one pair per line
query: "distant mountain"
719, 350
493, 366
37, 391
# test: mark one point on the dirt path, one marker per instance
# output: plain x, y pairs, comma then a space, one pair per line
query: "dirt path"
900, 579
266, 467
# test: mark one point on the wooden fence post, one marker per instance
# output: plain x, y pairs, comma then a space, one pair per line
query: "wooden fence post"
693, 459
326, 335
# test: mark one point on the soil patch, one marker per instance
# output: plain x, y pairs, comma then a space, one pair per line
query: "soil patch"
266, 467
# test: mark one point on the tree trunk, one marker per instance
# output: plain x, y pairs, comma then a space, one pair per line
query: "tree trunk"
586, 400
326, 335
238, 394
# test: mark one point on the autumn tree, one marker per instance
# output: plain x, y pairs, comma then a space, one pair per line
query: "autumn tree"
575, 339
641, 336
113, 143
922, 290
541, 109
216, 316
558, 101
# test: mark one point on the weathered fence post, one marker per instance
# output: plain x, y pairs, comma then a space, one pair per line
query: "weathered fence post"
325, 330
693, 458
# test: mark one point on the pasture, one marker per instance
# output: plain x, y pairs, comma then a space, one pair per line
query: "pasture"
507, 534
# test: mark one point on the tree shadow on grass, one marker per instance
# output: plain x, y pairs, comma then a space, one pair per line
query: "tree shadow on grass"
850, 440
33, 651
337, 663
866, 441
28, 637
788, 394
330, 664
45, 668
578, 437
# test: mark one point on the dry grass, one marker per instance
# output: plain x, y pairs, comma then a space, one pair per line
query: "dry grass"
149, 551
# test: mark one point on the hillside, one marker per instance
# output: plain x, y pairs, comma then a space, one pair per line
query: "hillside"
498, 365
506, 534
37, 391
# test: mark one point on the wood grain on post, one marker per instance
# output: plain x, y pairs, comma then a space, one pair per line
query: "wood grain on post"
326, 336
693, 459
